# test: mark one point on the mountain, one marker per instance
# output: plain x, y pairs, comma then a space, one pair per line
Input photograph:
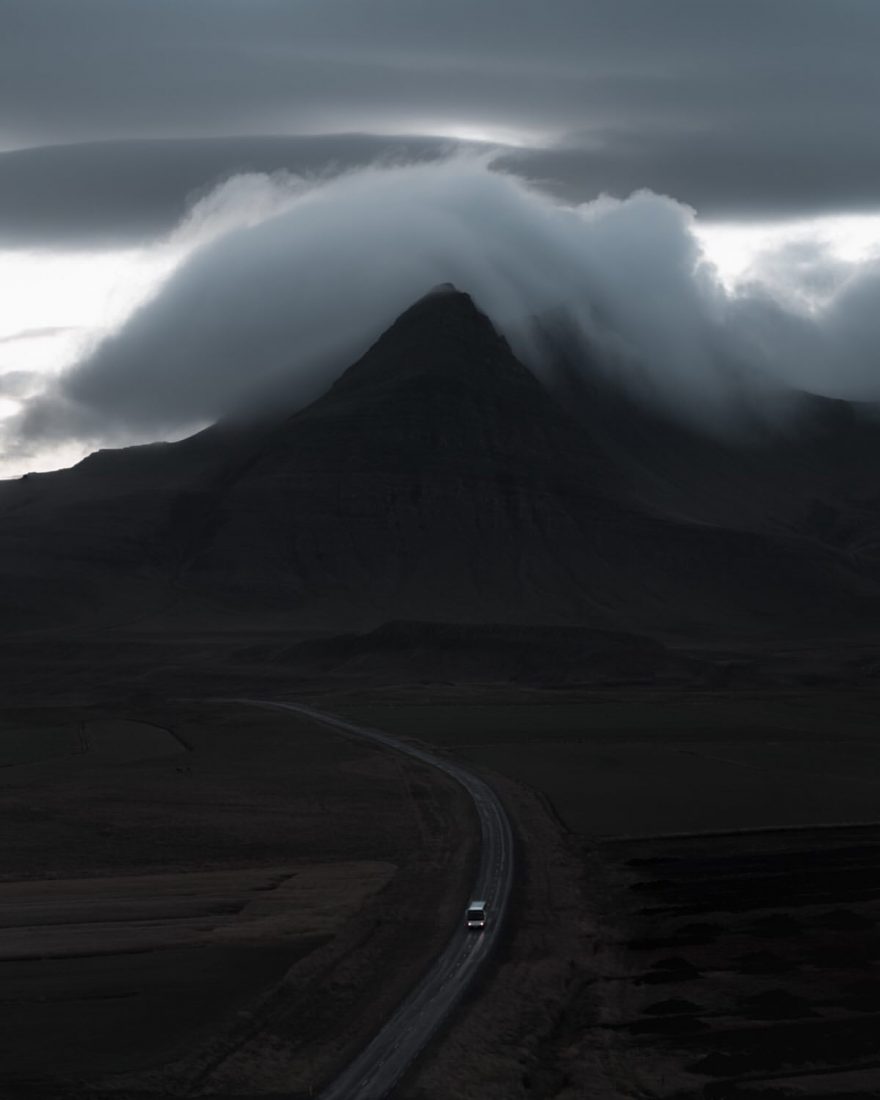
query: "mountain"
438, 480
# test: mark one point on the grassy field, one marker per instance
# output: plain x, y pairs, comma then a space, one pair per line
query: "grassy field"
608, 716
29, 743
637, 961
210, 893
27, 738
152, 961
670, 764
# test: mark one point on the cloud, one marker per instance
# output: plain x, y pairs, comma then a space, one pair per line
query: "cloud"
291, 280
120, 192
834, 351
743, 106
20, 383
115, 193
36, 333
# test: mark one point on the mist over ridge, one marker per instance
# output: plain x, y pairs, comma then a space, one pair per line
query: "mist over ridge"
288, 289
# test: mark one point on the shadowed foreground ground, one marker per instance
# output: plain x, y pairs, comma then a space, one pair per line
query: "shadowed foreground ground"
718, 964
229, 907
737, 963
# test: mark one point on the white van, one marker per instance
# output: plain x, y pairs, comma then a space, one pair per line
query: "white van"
476, 915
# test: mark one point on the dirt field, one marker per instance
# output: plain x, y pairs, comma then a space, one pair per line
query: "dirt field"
74, 918
712, 967
728, 966
723, 965
37, 739
624, 767
637, 963
222, 897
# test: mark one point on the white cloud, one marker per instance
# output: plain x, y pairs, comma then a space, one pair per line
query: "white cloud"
273, 285
805, 262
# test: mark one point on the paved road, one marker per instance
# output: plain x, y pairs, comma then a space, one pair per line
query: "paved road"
378, 1068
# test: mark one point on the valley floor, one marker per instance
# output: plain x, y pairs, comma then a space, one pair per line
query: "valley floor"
739, 965
222, 900
653, 958
208, 899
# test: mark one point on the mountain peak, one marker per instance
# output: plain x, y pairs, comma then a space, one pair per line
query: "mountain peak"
443, 334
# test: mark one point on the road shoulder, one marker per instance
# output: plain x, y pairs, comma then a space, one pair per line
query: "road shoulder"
500, 1044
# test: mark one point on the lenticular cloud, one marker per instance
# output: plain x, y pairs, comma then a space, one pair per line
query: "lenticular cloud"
293, 279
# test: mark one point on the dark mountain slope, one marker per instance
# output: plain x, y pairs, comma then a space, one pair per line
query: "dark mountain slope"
104, 540
808, 471
436, 480
418, 485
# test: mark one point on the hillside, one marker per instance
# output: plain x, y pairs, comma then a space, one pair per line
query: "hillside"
438, 480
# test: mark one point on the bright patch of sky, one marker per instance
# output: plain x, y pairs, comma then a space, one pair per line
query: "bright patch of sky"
488, 133
803, 262
59, 305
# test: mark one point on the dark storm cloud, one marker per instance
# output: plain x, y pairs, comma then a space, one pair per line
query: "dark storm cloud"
745, 107
113, 193
725, 174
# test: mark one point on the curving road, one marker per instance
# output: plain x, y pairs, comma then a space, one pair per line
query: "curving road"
380, 1065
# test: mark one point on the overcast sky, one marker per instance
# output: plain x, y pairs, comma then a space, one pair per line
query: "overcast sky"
142, 142
741, 108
